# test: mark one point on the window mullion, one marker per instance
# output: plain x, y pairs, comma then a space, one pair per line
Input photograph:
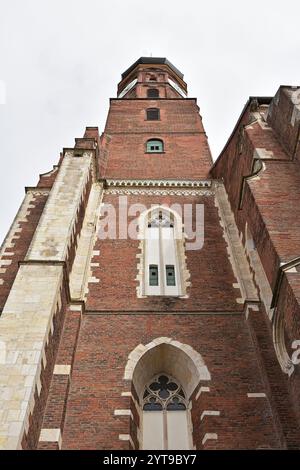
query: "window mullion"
162, 265
165, 430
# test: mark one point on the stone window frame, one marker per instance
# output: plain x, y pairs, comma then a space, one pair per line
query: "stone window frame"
182, 274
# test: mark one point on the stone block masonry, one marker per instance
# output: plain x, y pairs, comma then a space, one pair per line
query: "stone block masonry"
35, 298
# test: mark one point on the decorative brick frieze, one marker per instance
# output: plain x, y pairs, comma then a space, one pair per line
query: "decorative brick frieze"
163, 183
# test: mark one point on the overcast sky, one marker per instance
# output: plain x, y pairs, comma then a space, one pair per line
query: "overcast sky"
60, 62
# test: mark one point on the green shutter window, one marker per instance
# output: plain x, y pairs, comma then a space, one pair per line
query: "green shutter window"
153, 275
170, 273
155, 146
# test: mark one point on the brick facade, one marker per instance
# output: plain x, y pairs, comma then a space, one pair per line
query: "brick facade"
86, 347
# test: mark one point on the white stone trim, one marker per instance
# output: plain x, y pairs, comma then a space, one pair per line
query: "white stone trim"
202, 390
209, 436
61, 369
33, 300
82, 272
75, 308
260, 117
178, 256
9, 241
209, 413
235, 247
123, 413
21, 216
160, 192
128, 412
127, 437
256, 395
179, 360
26, 322
259, 274
160, 183
262, 153
56, 228
5, 262
249, 307
51, 435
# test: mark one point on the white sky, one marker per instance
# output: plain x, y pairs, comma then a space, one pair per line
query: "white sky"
60, 62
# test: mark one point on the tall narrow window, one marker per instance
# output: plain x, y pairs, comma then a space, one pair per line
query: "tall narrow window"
162, 259
153, 93
170, 275
165, 419
154, 146
153, 275
152, 114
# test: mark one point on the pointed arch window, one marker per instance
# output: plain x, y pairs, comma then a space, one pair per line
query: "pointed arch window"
165, 415
164, 272
155, 146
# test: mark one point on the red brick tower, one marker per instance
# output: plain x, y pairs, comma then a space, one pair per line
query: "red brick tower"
132, 317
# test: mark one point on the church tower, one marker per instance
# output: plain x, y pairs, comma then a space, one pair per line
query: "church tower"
132, 313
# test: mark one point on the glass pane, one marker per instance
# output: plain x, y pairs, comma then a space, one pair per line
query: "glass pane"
170, 273
152, 407
155, 146
152, 114
163, 392
172, 386
178, 434
153, 436
176, 406
153, 275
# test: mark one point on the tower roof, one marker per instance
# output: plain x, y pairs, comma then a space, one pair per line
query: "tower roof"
152, 60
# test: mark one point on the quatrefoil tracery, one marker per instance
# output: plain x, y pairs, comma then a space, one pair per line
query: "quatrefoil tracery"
164, 393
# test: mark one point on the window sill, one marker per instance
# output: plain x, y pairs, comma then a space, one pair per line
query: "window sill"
151, 153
